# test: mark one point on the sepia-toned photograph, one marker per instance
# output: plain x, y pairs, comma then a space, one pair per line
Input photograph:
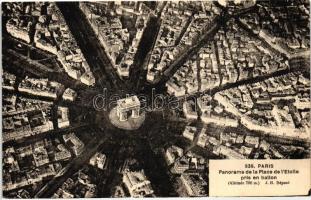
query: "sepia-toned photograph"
105, 99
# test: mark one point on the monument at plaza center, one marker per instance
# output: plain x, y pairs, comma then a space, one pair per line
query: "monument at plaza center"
127, 114
128, 107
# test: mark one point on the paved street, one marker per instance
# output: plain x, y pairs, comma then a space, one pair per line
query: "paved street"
74, 165
98, 60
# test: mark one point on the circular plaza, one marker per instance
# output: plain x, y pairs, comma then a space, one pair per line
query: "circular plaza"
127, 114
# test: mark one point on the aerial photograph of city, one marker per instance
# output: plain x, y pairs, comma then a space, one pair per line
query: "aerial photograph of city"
134, 98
